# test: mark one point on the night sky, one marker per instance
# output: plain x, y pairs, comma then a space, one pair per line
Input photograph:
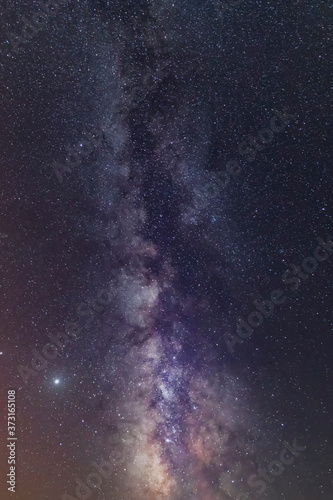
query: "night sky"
166, 246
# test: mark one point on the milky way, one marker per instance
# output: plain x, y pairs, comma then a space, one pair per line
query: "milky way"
179, 424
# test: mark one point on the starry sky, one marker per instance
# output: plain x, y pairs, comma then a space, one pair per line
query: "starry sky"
166, 249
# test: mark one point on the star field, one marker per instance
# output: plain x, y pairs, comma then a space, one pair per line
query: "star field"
166, 249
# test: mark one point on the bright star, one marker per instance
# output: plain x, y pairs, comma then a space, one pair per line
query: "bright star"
56, 381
